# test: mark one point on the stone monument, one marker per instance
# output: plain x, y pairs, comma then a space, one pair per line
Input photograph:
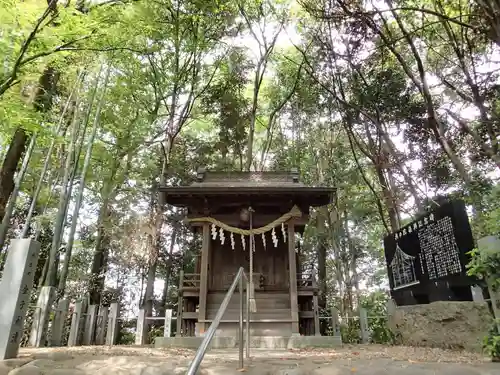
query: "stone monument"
15, 289
426, 259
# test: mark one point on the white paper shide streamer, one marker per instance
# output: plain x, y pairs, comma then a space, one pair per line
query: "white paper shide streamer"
214, 232
283, 230
222, 236
274, 238
232, 241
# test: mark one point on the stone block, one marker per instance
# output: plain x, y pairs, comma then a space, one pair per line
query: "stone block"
66, 371
42, 362
4, 369
444, 324
268, 342
76, 321
302, 342
42, 315
90, 325
26, 370
59, 322
167, 331
16, 362
141, 330
112, 328
15, 288
102, 321
178, 342
260, 342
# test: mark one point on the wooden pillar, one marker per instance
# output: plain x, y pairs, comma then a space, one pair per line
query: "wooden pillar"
180, 304
292, 267
317, 327
204, 278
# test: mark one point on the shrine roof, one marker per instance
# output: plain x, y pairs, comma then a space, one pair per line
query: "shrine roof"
213, 184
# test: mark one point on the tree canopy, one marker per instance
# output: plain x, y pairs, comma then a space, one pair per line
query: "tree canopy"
395, 103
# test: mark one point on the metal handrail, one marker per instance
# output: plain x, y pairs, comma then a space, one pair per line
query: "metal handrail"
200, 353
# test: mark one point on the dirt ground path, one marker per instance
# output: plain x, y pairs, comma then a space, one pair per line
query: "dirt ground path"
362, 360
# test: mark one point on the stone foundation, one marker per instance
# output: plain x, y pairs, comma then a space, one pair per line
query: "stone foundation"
446, 325
260, 342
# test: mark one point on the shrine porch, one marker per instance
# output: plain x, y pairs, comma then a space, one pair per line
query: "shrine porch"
272, 318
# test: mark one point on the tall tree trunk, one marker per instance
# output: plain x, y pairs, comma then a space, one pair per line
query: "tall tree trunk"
322, 215
389, 200
42, 99
14, 155
341, 273
168, 269
109, 192
39, 271
321, 252
4, 226
69, 103
100, 254
156, 238
103, 240
81, 188
51, 279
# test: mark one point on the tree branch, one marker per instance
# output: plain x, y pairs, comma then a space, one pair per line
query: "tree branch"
24, 48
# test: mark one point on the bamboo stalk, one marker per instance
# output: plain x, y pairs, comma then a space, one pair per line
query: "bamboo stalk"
46, 164
79, 197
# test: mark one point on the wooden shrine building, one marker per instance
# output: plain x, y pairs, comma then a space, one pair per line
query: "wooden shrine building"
225, 209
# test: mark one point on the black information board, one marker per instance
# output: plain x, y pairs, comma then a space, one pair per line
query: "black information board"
426, 259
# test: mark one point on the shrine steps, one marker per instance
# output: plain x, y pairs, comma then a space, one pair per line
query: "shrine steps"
269, 327
272, 318
234, 314
264, 302
252, 320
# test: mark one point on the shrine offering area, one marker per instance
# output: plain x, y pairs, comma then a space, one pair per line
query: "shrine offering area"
363, 359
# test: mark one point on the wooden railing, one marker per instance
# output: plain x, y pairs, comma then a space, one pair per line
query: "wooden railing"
191, 281
306, 281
